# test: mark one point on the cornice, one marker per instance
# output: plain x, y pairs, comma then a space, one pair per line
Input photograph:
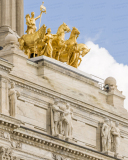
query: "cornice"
56, 145
21, 134
9, 123
5, 65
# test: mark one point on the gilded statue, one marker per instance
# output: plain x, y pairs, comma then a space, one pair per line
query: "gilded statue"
31, 23
13, 95
27, 41
58, 42
38, 43
71, 55
46, 45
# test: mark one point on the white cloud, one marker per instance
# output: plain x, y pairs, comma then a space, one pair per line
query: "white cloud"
100, 63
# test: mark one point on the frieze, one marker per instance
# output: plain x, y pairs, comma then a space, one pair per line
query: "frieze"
7, 153
64, 99
7, 136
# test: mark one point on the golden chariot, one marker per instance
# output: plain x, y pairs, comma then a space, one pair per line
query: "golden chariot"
43, 42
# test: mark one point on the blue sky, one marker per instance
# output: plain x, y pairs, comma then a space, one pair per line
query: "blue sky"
105, 22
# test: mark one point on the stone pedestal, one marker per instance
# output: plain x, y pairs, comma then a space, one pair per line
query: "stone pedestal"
70, 140
60, 136
109, 153
4, 31
118, 156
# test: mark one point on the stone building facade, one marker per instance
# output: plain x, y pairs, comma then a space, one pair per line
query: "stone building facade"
34, 91
52, 111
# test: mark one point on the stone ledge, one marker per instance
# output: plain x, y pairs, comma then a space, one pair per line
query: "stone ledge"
5, 65
9, 122
63, 68
42, 140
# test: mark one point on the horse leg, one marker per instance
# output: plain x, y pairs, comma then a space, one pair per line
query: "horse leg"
58, 55
79, 62
61, 49
72, 59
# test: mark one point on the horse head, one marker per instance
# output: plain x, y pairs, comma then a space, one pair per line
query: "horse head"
66, 28
63, 28
75, 32
83, 49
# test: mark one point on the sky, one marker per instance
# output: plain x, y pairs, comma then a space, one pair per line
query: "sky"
103, 26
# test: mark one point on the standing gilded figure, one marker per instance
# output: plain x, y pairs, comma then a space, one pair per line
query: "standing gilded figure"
47, 50
31, 22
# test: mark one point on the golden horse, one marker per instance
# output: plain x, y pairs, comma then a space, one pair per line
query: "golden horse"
74, 59
73, 36
73, 51
58, 42
27, 41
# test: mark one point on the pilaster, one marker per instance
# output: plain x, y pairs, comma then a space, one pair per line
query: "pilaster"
20, 17
4, 103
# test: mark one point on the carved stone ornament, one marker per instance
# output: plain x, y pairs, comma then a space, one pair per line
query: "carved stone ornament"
61, 120
13, 95
110, 137
115, 138
6, 135
59, 157
5, 153
15, 144
105, 134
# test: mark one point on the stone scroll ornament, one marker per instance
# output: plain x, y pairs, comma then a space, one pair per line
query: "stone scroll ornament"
13, 95
61, 120
37, 42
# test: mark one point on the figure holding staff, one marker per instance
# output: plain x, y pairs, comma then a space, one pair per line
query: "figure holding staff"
31, 21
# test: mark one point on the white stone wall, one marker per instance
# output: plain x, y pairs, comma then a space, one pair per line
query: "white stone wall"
39, 83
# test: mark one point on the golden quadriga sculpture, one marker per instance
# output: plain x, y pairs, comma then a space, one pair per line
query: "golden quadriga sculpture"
38, 43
